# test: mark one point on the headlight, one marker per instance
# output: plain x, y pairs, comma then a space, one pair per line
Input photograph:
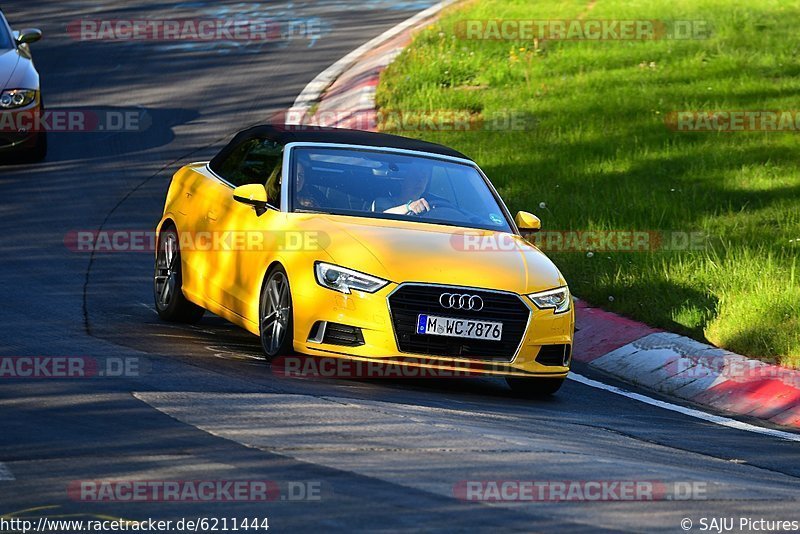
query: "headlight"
557, 300
16, 98
343, 280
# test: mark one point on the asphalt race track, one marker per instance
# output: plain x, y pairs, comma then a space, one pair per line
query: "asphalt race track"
387, 454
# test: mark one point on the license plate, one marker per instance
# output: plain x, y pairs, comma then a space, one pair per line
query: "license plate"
468, 328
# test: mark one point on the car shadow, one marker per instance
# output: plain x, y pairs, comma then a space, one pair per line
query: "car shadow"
106, 131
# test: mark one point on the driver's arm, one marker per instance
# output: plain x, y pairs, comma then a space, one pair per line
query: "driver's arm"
412, 207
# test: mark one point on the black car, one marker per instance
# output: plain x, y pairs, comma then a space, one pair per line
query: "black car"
20, 96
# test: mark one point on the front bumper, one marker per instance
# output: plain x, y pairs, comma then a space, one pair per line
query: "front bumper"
14, 142
371, 314
18, 130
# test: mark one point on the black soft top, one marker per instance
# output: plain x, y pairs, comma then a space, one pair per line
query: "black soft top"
314, 134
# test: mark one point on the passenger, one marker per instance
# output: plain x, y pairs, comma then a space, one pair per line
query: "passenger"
306, 196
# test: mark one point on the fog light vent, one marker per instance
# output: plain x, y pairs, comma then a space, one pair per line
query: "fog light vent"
556, 355
342, 334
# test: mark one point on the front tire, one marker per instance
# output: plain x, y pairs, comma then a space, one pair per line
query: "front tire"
275, 314
170, 302
534, 388
34, 153
39, 150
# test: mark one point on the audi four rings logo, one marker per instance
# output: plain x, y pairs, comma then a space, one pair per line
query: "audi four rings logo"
455, 301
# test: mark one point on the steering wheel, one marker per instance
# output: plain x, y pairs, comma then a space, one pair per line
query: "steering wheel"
441, 206
438, 202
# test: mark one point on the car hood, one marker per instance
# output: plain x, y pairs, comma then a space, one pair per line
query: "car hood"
8, 64
420, 252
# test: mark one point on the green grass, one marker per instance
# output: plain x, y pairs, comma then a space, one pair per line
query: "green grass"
600, 156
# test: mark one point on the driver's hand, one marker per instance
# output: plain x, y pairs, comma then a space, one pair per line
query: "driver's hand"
419, 206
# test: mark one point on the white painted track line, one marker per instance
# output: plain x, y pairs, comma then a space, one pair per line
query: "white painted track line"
311, 93
697, 414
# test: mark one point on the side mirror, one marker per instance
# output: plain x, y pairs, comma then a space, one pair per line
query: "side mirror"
528, 221
28, 35
253, 195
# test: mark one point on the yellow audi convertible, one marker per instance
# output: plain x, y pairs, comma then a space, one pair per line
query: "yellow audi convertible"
364, 246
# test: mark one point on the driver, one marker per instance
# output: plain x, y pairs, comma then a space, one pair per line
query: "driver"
410, 201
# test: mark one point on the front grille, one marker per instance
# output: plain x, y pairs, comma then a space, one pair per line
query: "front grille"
554, 354
342, 334
407, 302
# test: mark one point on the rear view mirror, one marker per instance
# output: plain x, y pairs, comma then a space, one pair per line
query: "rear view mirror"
253, 195
528, 221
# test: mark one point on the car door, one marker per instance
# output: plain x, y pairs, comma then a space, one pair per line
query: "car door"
242, 240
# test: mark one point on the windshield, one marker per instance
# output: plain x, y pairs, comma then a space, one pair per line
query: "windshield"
387, 185
5, 38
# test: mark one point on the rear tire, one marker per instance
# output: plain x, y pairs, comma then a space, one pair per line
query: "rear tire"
534, 388
275, 314
170, 302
